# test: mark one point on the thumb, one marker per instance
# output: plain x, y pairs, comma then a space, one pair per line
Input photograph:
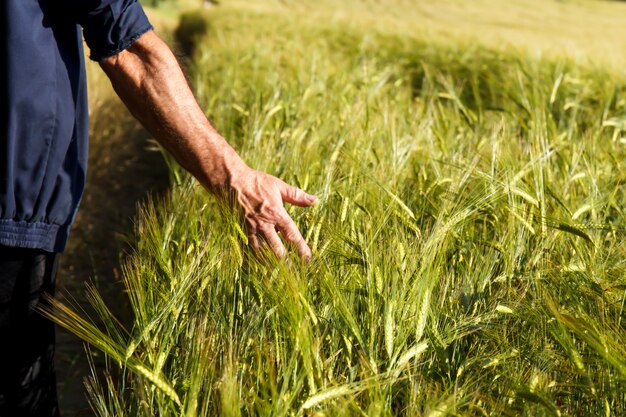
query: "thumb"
296, 196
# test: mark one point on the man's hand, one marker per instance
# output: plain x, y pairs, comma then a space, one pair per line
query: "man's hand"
149, 81
261, 197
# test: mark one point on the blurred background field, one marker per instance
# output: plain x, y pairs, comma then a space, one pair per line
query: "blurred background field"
468, 246
588, 30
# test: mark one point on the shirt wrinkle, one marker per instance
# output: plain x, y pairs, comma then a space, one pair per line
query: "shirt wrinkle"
43, 152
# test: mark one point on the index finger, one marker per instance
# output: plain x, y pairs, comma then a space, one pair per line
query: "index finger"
292, 235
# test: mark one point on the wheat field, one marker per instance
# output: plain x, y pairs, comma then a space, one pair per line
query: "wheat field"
468, 248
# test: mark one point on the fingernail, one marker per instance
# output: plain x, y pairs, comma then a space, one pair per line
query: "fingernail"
312, 199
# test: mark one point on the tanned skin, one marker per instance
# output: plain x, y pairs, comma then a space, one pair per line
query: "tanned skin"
150, 82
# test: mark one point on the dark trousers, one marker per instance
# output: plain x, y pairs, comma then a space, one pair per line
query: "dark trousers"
27, 378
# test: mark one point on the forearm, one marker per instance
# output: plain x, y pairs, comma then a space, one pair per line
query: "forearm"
149, 80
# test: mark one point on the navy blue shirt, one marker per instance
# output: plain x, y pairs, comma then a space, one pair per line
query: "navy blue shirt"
44, 125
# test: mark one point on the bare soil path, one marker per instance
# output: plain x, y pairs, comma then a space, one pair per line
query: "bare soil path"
124, 169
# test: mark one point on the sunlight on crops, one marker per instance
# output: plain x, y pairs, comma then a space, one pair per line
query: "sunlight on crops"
469, 242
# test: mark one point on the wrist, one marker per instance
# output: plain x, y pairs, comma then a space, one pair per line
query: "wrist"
224, 173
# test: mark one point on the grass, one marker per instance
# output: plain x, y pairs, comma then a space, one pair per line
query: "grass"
468, 247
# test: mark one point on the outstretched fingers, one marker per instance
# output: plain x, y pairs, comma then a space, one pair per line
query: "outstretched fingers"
254, 241
261, 198
292, 235
296, 196
268, 235
274, 242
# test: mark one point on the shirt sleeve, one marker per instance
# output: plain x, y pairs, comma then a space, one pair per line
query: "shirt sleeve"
110, 26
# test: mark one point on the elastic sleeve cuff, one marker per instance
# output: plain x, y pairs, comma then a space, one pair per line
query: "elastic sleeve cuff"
114, 28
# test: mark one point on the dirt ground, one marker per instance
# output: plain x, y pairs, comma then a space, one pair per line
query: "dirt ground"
124, 169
